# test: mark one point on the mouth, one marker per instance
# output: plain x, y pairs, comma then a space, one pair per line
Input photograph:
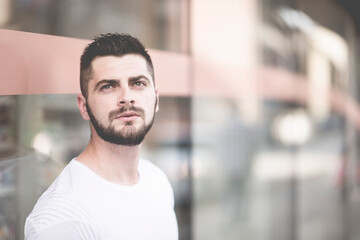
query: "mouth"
128, 116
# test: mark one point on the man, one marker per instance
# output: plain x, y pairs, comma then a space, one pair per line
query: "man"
107, 192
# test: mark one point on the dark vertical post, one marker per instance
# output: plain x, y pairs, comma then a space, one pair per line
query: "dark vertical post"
294, 194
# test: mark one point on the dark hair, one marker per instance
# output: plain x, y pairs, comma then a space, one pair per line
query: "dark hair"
110, 44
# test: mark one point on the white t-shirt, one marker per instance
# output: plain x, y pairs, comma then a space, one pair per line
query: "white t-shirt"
82, 205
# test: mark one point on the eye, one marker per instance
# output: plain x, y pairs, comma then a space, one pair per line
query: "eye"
106, 87
138, 84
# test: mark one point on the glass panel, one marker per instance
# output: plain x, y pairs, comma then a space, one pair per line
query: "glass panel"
160, 24
275, 152
40, 134
272, 121
225, 204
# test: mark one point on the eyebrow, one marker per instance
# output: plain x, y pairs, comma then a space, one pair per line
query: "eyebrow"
114, 81
136, 78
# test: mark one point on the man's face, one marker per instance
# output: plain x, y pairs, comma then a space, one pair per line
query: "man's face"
122, 99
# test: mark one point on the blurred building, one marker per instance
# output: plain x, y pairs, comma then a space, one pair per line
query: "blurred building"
259, 121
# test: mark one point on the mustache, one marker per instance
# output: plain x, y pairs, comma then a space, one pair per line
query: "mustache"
113, 114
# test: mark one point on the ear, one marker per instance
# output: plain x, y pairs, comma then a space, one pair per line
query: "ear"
81, 101
157, 99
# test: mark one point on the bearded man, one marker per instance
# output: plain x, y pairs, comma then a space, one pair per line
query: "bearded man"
108, 192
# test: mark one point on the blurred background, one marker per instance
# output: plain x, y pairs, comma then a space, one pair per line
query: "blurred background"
259, 137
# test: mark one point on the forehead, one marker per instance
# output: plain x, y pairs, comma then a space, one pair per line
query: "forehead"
114, 67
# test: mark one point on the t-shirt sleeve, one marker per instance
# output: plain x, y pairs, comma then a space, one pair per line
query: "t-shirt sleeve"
69, 230
59, 214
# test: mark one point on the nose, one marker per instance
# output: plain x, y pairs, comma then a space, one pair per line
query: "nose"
125, 97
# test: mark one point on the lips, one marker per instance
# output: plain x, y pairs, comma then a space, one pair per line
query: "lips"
128, 116
125, 113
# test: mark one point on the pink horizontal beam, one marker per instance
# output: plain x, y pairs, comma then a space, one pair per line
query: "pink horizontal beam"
33, 63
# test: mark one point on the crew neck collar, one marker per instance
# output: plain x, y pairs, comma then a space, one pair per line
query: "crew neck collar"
107, 182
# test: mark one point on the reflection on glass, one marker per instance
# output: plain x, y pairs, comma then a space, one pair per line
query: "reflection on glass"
293, 128
237, 183
286, 175
159, 24
40, 134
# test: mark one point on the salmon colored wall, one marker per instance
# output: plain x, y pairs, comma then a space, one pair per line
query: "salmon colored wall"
33, 63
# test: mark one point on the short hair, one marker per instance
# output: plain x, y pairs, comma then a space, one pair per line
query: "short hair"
110, 44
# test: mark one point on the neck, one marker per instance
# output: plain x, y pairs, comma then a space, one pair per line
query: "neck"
115, 163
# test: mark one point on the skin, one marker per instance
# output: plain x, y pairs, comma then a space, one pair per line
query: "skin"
117, 82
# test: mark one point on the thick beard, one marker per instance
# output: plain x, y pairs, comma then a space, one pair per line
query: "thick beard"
127, 137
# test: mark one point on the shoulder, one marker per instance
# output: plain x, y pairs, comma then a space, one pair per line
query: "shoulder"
150, 169
156, 179
70, 230
58, 206
146, 164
